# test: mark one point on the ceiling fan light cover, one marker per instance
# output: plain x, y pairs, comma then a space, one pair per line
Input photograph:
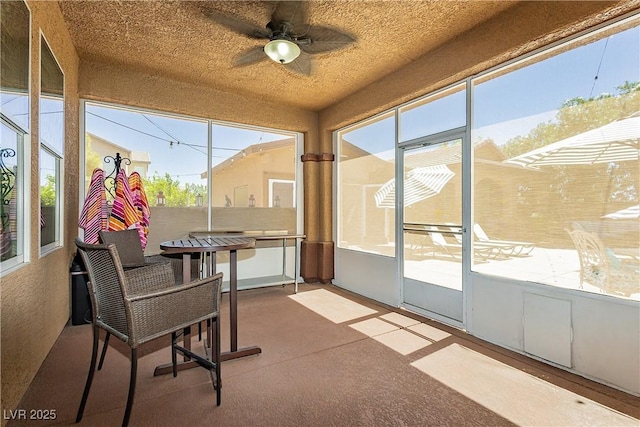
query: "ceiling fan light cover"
282, 51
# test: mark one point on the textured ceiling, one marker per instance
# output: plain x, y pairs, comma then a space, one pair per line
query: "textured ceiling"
177, 40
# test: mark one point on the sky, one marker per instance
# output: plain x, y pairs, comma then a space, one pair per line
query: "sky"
516, 102
175, 145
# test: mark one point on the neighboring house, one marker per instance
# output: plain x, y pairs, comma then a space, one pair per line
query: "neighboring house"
105, 151
493, 177
263, 174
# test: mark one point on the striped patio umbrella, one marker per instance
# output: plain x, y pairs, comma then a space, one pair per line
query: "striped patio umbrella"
613, 142
632, 212
419, 184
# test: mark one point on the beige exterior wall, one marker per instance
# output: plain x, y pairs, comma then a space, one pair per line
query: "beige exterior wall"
101, 148
35, 298
253, 172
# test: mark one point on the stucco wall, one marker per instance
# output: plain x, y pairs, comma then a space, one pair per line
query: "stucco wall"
112, 83
35, 298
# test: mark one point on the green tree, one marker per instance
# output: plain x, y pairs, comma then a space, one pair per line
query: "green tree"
578, 186
48, 192
175, 194
194, 190
578, 115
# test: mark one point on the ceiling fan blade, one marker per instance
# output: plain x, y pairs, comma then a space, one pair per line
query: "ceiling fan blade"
324, 39
237, 25
302, 65
250, 56
293, 12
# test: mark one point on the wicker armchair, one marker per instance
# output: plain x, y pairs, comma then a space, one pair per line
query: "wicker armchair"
600, 267
132, 255
141, 304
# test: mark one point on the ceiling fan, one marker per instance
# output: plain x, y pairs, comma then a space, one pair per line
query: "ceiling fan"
291, 39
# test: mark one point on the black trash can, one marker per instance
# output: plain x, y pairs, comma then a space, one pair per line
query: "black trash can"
80, 303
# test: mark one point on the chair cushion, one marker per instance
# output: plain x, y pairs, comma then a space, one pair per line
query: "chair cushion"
128, 245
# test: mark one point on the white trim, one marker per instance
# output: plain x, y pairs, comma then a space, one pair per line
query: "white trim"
81, 163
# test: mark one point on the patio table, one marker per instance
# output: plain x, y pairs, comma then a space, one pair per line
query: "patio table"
212, 244
263, 236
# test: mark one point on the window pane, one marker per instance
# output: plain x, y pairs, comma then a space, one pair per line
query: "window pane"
49, 198
556, 150
51, 101
437, 113
51, 131
169, 154
253, 180
11, 223
366, 211
433, 201
14, 75
52, 123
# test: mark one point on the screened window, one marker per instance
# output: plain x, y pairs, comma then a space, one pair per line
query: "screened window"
169, 154
197, 175
14, 127
556, 172
253, 178
49, 197
51, 132
14, 76
443, 111
12, 195
366, 196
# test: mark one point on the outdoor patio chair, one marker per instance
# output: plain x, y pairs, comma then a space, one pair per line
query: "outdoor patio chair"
417, 244
519, 248
455, 249
599, 266
483, 249
145, 303
132, 256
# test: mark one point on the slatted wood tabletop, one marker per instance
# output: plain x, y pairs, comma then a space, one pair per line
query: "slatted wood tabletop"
207, 244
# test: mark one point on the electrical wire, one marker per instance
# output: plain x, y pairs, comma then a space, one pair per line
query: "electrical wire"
128, 127
595, 79
171, 141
